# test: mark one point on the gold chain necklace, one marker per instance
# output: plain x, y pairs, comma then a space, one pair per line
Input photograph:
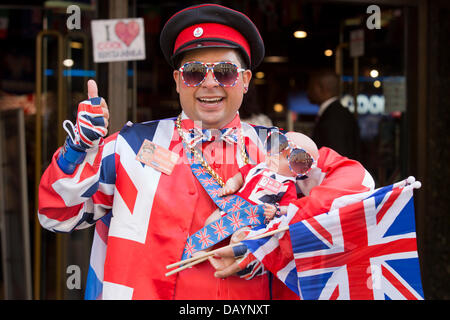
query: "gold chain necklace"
200, 158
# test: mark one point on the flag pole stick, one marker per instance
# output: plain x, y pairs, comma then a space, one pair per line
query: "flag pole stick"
188, 265
270, 233
200, 258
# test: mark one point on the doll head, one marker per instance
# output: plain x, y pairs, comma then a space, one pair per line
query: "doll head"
304, 142
291, 154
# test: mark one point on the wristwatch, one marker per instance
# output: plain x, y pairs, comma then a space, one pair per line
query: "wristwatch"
278, 212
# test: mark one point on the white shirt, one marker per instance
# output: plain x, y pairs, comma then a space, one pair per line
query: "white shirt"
324, 105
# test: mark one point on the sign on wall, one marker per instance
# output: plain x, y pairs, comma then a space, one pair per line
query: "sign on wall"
394, 89
118, 39
356, 43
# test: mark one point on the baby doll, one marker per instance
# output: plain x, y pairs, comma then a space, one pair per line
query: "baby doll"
272, 182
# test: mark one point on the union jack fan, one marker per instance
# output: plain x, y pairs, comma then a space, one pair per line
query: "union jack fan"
137, 185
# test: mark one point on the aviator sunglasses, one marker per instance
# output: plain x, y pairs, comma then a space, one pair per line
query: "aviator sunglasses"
194, 73
300, 161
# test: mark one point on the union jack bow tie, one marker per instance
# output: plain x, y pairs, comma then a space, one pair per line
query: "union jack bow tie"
196, 135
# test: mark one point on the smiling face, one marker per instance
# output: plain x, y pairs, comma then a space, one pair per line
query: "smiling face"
209, 102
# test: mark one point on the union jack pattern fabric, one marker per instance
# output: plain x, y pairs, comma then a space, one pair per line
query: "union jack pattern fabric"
90, 124
119, 194
251, 267
363, 250
256, 191
197, 135
240, 213
222, 228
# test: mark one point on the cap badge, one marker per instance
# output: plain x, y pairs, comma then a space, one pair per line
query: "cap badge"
198, 32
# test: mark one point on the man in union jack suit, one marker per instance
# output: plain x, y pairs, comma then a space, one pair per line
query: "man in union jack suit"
137, 185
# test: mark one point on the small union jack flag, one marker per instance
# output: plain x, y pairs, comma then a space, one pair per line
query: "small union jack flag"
220, 230
223, 201
199, 171
252, 215
236, 221
203, 237
206, 182
189, 248
214, 193
236, 206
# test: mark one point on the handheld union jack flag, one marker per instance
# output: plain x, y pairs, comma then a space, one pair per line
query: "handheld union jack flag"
363, 250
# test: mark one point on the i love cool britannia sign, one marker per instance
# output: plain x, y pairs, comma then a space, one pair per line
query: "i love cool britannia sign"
118, 39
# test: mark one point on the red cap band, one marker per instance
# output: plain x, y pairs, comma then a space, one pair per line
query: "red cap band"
211, 32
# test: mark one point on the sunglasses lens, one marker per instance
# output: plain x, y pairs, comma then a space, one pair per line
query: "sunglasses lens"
300, 161
276, 143
226, 73
193, 73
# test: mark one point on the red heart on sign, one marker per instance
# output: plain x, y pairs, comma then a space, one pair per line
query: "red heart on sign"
127, 32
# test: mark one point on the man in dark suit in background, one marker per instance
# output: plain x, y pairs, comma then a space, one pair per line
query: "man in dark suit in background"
335, 127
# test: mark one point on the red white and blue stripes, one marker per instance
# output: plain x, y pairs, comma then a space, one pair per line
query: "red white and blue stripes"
90, 122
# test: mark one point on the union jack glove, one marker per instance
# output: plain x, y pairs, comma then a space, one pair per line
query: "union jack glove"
90, 128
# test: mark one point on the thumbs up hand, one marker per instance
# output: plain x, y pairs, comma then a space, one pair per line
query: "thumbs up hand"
90, 127
92, 120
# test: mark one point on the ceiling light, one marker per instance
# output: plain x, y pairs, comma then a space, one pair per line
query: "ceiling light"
76, 45
260, 75
300, 34
374, 73
68, 63
275, 59
328, 52
278, 107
